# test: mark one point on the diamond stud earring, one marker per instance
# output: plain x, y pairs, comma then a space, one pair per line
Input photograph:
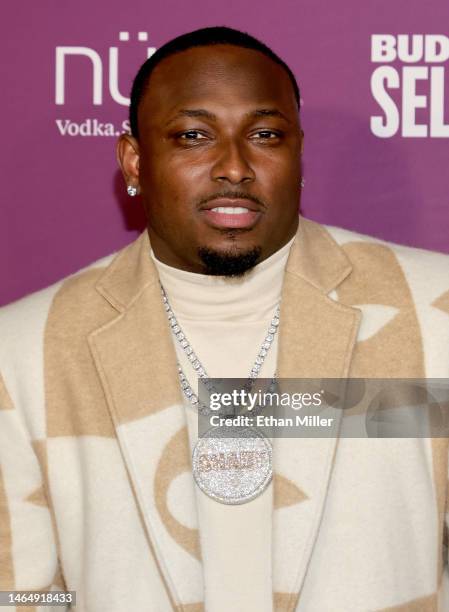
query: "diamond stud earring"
132, 191
303, 182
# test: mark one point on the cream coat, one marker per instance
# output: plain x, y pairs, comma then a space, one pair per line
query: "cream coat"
93, 438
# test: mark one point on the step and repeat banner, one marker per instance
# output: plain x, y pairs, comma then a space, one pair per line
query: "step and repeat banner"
374, 78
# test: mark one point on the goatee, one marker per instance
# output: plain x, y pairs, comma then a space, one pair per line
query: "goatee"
218, 263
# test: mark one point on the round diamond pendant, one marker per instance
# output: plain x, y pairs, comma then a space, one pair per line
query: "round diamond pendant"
232, 465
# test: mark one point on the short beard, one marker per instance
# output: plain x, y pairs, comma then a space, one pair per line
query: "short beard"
230, 264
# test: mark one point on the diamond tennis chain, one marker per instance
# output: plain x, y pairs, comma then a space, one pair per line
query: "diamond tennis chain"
191, 396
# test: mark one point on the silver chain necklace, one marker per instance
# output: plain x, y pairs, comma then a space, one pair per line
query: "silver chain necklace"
230, 465
200, 370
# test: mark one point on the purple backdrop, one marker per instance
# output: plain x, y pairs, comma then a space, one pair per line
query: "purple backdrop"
63, 202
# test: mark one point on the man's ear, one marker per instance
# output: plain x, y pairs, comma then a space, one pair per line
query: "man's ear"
128, 159
302, 141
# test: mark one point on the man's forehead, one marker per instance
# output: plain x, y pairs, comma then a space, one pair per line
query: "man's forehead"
217, 73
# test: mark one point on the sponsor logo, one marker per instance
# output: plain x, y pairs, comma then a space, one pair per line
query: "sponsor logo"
90, 127
100, 77
408, 84
96, 70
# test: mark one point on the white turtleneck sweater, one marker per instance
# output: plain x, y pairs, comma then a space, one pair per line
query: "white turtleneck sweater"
226, 320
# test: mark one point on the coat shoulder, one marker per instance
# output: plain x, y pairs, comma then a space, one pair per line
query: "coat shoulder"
76, 293
416, 261
81, 280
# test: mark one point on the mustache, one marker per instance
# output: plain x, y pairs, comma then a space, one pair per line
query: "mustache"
233, 195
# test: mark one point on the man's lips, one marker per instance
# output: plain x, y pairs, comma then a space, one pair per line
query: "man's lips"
231, 213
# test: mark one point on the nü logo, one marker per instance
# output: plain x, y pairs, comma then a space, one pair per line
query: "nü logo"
96, 67
418, 60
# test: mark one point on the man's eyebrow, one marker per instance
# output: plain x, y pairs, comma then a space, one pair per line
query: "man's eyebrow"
203, 113
193, 112
268, 112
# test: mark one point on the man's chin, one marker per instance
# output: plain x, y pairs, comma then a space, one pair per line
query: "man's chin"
230, 262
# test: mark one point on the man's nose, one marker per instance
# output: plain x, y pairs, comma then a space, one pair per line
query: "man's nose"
232, 165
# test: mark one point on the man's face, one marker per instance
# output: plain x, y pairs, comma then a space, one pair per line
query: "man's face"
218, 156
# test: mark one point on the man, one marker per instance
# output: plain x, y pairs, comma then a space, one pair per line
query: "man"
97, 434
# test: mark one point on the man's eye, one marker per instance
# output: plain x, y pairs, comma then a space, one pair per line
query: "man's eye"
266, 135
192, 135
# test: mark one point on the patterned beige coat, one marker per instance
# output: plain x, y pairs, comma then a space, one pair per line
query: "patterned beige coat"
93, 438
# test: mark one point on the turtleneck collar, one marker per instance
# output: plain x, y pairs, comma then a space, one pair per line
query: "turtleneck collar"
219, 298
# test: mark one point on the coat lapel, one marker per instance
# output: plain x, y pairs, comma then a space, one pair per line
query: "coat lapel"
136, 363
316, 340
